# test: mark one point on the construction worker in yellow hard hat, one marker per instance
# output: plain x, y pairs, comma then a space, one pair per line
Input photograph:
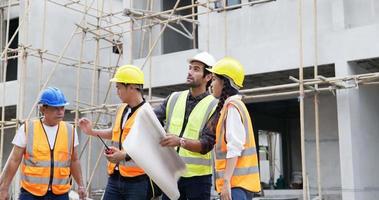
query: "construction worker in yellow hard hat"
236, 165
126, 179
185, 113
48, 149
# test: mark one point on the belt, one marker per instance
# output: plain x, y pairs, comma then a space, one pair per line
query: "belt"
116, 174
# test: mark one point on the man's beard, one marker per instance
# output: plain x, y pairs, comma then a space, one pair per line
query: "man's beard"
193, 84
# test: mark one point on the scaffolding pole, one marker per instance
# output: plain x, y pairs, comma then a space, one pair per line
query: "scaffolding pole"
301, 99
40, 68
95, 84
8, 5
150, 2
225, 28
316, 101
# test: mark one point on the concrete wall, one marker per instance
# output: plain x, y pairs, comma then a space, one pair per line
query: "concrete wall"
329, 146
174, 68
11, 94
358, 128
265, 37
361, 12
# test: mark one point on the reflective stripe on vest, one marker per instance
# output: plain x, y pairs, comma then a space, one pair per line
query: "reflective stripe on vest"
42, 180
196, 163
36, 166
245, 152
129, 163
46, 163
239, 171
246, 172
126, 168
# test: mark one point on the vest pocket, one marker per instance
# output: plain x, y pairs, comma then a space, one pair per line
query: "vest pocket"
33, 170
64, 171
43, 151
62, 155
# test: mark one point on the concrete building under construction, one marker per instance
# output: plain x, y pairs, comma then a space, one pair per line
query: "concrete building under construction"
311, 85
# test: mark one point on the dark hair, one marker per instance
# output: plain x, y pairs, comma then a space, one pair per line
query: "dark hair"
205, 73
227, 91
139, 87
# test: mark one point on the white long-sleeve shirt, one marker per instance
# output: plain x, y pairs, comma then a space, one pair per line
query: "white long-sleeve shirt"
235, 132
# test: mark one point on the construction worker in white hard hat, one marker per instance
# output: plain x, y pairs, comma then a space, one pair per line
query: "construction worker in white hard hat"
126, 180
48, 149
185, 114
236, 162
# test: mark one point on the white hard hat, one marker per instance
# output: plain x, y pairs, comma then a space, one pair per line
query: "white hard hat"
203, 57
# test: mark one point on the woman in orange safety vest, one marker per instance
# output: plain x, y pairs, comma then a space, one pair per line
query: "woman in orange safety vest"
236, 162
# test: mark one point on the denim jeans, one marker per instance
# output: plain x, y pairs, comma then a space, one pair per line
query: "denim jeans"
241, 194
122, 188
194, 188
25, 195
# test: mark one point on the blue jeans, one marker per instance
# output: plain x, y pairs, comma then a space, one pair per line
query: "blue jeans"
25, 195
125, 188
241, 194
194, 188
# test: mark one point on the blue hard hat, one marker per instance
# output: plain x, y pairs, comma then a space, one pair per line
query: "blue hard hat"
54, 97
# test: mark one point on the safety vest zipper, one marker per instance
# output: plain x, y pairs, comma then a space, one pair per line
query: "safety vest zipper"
51, 155
51, 168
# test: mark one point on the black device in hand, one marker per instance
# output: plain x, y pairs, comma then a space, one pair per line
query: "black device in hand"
106, 146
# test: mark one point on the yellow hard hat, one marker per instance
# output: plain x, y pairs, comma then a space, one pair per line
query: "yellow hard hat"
230, 68
128, 74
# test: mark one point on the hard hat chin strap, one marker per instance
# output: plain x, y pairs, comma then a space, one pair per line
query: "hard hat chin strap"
232, 83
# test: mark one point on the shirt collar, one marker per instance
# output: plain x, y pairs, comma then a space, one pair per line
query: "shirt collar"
137, 106
199, 97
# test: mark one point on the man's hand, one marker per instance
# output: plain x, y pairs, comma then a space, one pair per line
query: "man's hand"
10, 170
4, 194
82, 192
114, 155
170, 140
85, 125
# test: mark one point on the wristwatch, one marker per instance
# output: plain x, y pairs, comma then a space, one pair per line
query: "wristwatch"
182, 142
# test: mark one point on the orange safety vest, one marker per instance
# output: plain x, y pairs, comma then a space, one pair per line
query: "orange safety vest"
246, 172
44, 168
126, 168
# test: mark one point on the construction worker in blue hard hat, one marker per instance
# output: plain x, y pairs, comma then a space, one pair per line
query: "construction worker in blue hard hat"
126, 180
184, 114
48, 149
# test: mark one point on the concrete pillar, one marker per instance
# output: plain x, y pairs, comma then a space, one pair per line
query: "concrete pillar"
345, 136
358, 128
329, 149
